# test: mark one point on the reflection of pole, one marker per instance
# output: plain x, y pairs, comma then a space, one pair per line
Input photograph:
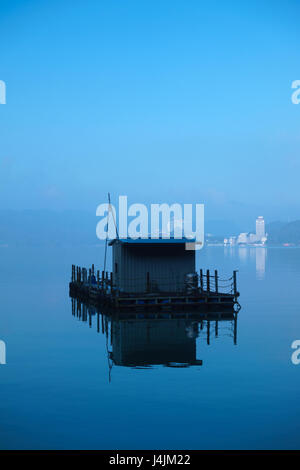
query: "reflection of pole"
235, 329
90, 318
98, 325
216, 328
208, 331
73, 307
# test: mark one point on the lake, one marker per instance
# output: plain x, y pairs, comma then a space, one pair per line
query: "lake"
65, 386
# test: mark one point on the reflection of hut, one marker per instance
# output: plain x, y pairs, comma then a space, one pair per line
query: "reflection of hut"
151, 265
146, 342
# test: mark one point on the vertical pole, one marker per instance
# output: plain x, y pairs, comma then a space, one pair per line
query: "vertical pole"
102, 281
98, 278
148, 282
111, 282
216, 281
207, 281
201, 280
106, 281
90, 276
216, 328
234, 283
93, 269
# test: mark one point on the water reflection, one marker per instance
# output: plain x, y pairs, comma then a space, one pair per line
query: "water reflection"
260, 262
142, 340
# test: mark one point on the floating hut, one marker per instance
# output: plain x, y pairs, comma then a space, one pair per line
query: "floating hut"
154, 273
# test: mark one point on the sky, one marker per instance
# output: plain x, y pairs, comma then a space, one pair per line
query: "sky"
162, 101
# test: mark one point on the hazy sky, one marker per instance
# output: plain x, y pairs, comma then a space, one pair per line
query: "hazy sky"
163, 101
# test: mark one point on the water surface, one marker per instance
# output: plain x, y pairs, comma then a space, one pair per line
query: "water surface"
62, 389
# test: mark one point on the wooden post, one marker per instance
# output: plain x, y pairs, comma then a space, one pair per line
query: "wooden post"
148, 282
106, 281
207, 281
201, 280
234, 283
93, 269
102, 281
216, 281
98, 278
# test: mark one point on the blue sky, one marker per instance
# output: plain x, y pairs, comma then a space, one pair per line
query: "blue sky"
163, 101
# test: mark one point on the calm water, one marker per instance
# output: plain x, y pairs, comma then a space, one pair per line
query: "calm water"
60, 388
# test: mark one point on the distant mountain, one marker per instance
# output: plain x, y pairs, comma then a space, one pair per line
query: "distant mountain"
280, 232
47, 227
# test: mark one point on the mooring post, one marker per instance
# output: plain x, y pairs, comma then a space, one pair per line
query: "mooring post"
216, 281
93, 269
234, 283
102, 281
111, 282
106, 281
201, 280
148, 282
207, 281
